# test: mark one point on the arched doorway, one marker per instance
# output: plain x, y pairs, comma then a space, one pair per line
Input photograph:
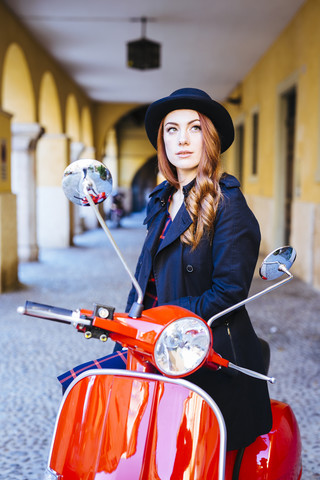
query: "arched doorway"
143, 183
53, 155
134, 159
284, 186
289, 99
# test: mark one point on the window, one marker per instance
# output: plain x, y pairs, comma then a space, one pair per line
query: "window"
239, 144
255, 134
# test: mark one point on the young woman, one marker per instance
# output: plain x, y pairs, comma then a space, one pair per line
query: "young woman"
201, 250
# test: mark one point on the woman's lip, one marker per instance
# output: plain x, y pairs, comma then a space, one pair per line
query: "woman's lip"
184, 152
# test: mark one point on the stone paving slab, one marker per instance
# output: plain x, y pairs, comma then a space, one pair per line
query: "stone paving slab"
35, 351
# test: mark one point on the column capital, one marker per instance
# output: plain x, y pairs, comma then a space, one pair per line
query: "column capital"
76, 148
25, 135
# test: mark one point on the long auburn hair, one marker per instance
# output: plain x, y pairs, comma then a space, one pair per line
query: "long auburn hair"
203, 199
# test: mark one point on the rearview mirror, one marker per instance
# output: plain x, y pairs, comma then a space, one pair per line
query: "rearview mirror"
91, 173
88, 182
281, 257
273, 266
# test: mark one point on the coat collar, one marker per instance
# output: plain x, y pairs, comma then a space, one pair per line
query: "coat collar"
229, 181
186, 189
161, 193
158, 200
160, 196
164, 189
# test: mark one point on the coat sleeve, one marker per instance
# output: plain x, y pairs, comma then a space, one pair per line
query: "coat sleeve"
235, 249
133, 294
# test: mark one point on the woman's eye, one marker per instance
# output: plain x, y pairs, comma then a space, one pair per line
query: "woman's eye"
171, 129
196, 128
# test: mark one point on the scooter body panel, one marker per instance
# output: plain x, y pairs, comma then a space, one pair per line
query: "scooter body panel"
123, 425
116, 425
276, 455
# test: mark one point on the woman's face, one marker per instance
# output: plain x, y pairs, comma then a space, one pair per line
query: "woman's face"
183, 142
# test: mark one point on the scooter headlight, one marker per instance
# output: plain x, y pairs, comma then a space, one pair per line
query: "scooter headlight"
182, 346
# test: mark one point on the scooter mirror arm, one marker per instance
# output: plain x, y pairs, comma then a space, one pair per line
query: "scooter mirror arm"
137, 307
252, 373
282, 268
215, 360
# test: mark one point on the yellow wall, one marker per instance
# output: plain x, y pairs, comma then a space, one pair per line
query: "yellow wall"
294, 55
39, 63
106, 115
5, 152
17, 89
50, 116
292, 61
8, 215
36, 91
134, 151
43, 93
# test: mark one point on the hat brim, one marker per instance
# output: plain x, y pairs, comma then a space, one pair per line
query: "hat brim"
219, 116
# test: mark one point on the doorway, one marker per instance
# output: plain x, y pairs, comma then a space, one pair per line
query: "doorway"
290, 99
143, 183
239, 146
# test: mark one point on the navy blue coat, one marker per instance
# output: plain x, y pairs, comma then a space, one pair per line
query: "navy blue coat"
216, 275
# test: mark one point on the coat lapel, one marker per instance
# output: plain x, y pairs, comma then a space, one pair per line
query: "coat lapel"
157, 207
180, 224
159, 196
157, 215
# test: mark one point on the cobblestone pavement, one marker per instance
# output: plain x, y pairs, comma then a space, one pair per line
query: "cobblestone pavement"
35, 351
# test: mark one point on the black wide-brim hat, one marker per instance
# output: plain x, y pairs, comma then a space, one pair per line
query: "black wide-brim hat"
190, 99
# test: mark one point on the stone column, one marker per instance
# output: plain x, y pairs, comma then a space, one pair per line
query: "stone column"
54, 212
88, 220
76, 149
89, 152
24, 138
110, 160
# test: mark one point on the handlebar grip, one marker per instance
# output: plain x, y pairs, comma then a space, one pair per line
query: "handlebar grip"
48, 312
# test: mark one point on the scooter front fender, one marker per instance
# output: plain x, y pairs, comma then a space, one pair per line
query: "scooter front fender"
117, 424
277, 454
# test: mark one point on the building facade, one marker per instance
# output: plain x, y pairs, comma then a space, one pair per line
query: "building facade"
47, 121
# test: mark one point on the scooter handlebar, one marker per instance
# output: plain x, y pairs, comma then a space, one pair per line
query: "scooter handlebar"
55, 314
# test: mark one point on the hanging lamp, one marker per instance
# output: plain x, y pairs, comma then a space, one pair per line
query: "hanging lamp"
143, 54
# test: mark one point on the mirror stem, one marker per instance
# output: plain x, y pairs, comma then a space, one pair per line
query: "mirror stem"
251, 373
282, 268
137, 307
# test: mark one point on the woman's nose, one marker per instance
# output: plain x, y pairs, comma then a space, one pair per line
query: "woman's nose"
183, 138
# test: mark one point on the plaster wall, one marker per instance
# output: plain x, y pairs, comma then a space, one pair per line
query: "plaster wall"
134, 150
8, 242
8, 210
292, 61
106, 115
38, 61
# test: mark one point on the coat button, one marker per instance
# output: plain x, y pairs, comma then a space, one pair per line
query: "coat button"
189, 268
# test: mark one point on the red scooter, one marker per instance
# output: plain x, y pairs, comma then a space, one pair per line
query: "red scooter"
147, 422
